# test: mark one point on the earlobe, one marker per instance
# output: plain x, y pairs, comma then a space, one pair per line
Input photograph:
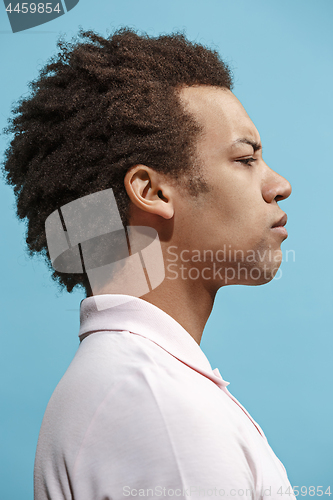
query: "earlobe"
149, 191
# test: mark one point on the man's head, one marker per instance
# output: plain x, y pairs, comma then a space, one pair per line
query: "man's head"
232, 232
99, 108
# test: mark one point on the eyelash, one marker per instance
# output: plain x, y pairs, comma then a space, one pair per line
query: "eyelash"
247, 161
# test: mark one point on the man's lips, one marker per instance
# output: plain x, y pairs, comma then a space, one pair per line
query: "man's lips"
279, 226
281, 222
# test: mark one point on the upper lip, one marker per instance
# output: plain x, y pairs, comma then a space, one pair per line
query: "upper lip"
282, 221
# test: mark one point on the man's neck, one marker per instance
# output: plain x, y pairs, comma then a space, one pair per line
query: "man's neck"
188, 304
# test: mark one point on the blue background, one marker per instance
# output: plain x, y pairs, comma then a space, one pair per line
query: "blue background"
272, 343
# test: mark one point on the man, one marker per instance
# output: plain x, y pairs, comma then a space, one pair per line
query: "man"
140, 412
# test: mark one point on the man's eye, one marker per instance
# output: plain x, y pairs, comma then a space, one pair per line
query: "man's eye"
247, 161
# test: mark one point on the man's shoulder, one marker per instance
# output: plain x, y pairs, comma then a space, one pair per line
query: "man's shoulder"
113, 357
110, 377
110, 367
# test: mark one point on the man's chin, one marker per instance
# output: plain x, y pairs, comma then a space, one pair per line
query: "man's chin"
261, 274
267, 274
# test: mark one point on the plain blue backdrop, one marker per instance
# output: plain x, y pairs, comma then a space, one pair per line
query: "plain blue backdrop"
272, 343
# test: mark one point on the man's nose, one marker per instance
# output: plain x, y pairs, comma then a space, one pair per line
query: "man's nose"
275, 187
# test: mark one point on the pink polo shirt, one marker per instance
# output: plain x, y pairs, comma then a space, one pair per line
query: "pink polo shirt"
141, 413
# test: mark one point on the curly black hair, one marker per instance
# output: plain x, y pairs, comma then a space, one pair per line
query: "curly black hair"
98, 107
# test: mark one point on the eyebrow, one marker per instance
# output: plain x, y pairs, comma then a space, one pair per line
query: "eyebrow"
256, 145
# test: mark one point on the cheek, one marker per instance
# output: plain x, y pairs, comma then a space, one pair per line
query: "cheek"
237, 197
233, 210
242, 223
241, 213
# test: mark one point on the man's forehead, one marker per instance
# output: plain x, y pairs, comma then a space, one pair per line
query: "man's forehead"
196, 95
220, 113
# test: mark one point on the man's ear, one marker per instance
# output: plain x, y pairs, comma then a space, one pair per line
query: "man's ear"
149, 191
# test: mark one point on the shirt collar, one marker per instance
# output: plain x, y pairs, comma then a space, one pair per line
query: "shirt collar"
119, 312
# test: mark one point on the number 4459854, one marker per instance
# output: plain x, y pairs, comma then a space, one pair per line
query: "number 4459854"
32, 7
305, 490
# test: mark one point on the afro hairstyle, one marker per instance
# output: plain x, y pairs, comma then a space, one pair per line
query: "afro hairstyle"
98, 107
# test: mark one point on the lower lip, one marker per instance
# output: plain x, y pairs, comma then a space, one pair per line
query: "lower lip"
280, 230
